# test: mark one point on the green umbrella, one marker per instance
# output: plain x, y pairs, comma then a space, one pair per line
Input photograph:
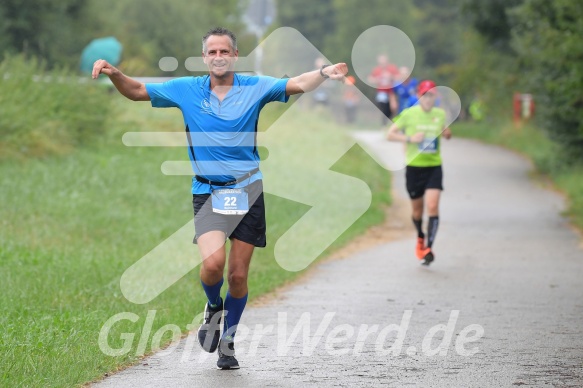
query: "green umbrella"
103, 48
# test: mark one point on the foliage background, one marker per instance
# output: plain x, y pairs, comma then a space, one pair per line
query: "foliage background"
60, 247
491, 48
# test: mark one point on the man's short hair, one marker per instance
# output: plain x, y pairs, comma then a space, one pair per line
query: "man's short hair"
219, 31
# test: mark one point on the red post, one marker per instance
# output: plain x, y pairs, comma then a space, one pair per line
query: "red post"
523, 108
517, 109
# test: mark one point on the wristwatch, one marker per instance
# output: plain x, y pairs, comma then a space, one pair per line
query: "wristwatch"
322, 73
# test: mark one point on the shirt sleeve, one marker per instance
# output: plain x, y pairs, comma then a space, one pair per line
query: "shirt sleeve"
168, 94
275, 89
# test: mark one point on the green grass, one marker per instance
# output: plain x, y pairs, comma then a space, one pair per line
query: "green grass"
549, 161
72, 224
47, 113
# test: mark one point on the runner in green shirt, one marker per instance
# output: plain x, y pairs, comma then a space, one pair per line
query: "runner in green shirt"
421, 127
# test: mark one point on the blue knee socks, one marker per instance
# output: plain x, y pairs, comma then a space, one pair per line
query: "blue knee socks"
213, 293
233, 309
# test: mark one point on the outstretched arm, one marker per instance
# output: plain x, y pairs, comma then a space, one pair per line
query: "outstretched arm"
130, 88
311, 80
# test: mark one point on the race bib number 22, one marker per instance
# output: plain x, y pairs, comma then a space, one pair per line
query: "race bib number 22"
230, 201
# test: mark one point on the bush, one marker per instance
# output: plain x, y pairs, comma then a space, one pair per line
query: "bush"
547, 37
45, 112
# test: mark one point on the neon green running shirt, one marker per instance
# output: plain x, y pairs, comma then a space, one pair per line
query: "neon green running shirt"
414, 120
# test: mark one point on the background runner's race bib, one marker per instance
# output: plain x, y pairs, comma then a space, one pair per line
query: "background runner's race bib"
382, 97
428, 146
230, 201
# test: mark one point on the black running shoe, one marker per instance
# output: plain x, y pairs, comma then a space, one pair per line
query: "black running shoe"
428, 258
209, 333
227, 358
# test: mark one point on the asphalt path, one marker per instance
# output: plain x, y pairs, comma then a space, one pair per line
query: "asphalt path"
501, 306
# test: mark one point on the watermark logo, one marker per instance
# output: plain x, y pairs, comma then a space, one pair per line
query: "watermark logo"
304, 335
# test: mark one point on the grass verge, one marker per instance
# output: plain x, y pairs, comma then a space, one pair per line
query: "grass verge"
72, 224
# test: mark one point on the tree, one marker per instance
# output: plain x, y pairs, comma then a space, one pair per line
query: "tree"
353, 17
314, 19
439, 29
151, 29
487, 64
46, 29
547, 35
490, 18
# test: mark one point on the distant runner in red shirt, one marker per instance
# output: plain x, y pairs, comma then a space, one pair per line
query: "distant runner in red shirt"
383, 77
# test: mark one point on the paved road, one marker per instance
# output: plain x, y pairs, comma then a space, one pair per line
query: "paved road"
503, 302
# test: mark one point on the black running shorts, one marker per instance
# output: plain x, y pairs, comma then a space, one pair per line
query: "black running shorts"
249, 228
419, 179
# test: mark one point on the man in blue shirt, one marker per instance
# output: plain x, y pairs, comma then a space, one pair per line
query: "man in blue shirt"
220, 112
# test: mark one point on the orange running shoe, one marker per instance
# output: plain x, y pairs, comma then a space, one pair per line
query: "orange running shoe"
420, 249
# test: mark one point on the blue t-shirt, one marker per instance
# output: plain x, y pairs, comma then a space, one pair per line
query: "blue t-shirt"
221, 134
407, 94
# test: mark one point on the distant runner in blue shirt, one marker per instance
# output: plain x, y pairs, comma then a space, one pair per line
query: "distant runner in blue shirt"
220, 112
405, 89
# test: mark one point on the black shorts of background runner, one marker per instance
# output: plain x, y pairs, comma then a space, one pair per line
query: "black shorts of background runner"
249, 228
419, 179
386, 110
